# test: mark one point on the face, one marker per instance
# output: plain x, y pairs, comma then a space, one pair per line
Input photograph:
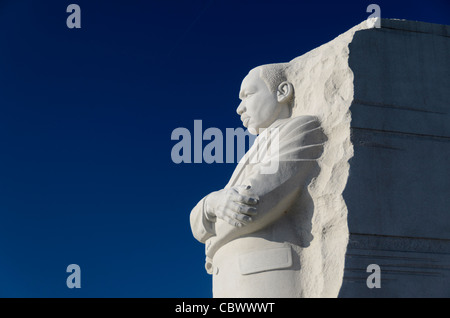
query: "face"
259, 107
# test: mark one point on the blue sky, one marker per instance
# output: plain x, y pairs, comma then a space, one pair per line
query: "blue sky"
86, 117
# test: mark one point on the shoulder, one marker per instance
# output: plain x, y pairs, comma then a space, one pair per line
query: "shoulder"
304, 130
300, 124
303, 120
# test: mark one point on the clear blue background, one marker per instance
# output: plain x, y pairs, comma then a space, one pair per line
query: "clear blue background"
86, 116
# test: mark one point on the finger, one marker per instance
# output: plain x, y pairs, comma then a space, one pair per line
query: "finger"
242, 187
246, 190
238, 217
232, 221
243, 198
242, 218
242, 208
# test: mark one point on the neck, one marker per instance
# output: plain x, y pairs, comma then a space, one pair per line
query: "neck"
284, 113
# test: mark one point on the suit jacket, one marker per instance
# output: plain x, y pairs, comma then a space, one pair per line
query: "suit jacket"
279, 169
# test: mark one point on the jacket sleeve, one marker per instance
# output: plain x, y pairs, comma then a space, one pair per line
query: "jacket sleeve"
202, 228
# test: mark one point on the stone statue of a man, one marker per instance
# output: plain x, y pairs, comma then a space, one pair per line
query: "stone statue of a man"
257, 226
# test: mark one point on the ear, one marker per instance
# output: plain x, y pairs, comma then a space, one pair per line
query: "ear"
284, 92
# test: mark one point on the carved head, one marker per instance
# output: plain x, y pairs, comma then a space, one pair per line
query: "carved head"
266, 96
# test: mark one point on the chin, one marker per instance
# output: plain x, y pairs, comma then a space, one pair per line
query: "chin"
253, 130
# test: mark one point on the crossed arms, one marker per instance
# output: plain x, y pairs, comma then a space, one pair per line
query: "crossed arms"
250, 203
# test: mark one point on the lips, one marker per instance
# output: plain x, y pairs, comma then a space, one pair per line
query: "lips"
245, 119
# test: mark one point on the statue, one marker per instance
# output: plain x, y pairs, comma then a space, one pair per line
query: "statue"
256, 229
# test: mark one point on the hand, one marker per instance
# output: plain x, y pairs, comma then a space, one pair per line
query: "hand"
235, 205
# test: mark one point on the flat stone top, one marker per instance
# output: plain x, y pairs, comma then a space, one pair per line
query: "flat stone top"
416, 26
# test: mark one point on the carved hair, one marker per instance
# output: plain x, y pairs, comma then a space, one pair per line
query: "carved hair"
273, 74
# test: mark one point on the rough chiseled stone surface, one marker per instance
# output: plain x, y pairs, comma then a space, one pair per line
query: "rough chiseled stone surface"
383, 95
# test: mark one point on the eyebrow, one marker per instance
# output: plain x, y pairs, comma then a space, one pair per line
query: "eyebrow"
245, 90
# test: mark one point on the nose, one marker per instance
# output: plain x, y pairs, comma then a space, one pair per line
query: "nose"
241, 109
